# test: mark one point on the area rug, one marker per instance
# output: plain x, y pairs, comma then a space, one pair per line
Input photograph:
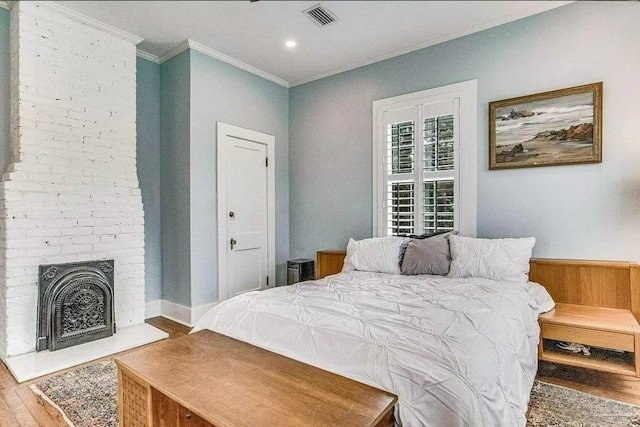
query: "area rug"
88, 397
552, 405
85, 397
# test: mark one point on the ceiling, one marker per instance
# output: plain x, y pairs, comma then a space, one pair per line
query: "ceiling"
254, 33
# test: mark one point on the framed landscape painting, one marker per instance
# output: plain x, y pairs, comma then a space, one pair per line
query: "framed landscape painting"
560, 127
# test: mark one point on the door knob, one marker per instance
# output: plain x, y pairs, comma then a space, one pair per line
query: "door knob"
233, 242
231, 214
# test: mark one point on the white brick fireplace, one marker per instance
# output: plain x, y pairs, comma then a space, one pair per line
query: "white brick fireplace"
71, 191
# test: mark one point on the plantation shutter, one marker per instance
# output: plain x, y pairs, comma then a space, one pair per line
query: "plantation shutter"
401, 171
420, 164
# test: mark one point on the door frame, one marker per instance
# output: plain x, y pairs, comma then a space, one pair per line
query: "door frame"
224, 130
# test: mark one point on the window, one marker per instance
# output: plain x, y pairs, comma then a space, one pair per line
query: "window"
425, 154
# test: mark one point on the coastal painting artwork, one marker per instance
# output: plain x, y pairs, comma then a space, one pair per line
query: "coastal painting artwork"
553, 128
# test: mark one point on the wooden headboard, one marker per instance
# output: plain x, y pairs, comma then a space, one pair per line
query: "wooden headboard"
614, 284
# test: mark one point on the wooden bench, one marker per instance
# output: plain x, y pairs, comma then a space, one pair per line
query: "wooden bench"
207, 379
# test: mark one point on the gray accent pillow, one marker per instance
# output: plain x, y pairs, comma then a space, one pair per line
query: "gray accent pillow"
411, 237
428, 256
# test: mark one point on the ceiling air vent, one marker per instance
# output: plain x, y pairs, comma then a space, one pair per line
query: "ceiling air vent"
320, 15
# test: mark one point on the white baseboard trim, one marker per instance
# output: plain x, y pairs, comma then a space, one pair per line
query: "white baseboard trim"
153, 309
178, 313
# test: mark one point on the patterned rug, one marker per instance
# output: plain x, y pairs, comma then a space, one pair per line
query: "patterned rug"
88, 397
552, 405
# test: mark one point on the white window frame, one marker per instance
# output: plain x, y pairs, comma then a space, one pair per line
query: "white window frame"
466, 165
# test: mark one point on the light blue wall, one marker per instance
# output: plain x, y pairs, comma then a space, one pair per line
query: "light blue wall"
148, 162
174, 178
5, 62
222, 92
584, 211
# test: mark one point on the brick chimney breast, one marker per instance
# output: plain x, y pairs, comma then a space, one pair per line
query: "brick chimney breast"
71, 192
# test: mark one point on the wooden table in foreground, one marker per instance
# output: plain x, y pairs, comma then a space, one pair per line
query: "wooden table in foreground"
207, 379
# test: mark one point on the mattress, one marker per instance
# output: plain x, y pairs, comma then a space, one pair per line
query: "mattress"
457, 352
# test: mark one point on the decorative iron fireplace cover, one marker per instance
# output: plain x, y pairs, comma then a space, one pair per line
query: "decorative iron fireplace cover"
75, 304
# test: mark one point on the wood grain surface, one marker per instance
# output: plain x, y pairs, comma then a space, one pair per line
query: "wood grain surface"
231, 383
329, 262
612, 284
609, 328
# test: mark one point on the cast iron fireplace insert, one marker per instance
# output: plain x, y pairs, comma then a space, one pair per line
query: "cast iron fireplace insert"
75, 304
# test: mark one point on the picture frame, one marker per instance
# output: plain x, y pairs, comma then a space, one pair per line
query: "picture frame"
559, 127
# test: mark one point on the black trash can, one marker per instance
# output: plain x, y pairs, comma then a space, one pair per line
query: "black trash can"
300, 270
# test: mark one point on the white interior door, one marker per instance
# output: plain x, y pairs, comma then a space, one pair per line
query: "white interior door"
244, 200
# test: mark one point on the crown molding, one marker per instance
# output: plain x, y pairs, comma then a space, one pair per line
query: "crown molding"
239, 64
179, 48
540, 7
148, 56
190, 44
84, 19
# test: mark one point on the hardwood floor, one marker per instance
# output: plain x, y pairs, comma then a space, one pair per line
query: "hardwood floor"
19, 406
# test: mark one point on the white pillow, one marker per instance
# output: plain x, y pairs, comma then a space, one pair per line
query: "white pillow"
506, 260
378, 254
541, 296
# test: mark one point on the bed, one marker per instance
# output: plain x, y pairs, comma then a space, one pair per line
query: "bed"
456, 351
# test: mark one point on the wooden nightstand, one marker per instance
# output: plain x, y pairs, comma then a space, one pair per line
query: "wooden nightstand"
607, 328
329, 262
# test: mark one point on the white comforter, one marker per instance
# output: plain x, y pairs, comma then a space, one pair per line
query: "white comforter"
457, 352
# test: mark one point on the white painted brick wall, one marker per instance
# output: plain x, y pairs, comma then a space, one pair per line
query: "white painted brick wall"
71, 193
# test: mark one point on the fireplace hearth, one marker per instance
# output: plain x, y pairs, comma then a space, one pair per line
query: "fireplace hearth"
75, 304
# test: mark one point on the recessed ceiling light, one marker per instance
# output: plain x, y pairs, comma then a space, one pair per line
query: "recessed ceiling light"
290, 43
